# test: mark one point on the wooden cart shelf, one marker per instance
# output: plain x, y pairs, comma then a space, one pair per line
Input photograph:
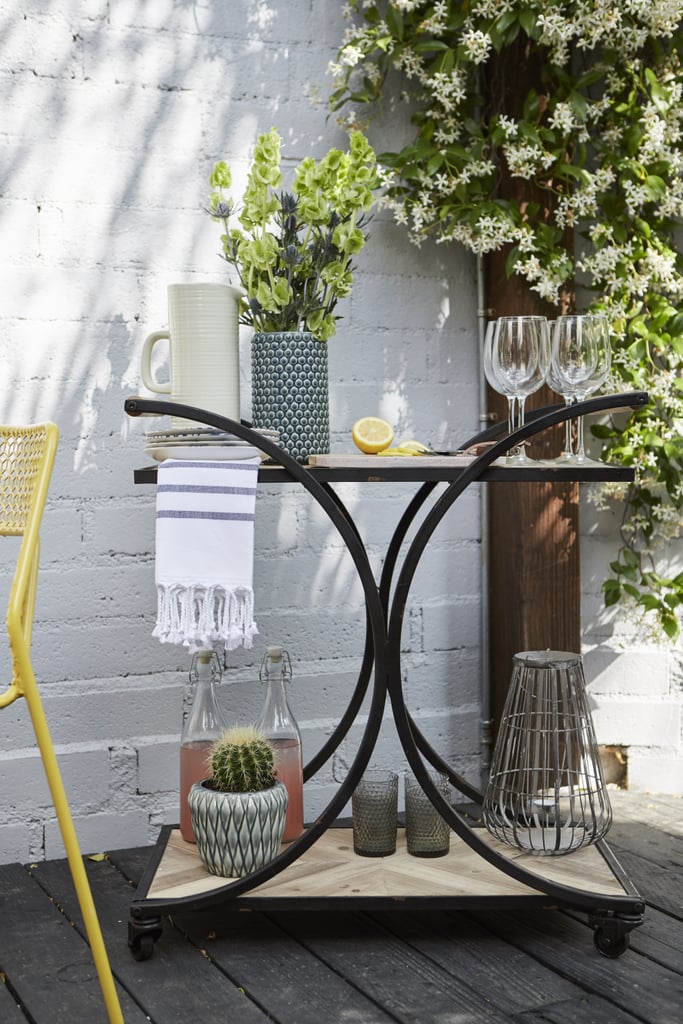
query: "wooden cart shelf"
330, 870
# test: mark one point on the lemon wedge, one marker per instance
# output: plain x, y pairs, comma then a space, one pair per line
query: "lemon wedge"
371, 434
414, 446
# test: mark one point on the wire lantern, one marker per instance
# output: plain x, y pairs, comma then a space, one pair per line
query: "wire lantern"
546, 792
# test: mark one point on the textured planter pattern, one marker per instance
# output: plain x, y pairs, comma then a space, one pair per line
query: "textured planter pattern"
289, 391
237, 833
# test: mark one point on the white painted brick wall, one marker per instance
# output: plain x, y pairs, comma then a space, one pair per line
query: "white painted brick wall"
113, 114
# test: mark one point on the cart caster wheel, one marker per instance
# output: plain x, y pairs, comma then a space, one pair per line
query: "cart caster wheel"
608, 945
142, 934
142, 947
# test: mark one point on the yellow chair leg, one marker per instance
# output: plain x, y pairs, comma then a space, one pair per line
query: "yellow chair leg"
73, 853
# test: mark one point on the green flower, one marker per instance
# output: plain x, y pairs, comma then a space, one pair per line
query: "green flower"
220, 176
292, 252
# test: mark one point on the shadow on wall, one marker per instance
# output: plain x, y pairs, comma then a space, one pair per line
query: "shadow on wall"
109, 130
113, 117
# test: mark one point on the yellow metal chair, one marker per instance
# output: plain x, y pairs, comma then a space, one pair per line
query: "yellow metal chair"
26, 458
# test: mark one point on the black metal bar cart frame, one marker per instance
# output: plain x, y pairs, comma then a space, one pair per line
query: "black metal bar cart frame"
612, 914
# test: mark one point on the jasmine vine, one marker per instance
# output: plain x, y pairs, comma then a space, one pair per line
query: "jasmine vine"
600, 140
293, 251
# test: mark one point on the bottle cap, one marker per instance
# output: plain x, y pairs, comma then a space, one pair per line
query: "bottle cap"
275, 653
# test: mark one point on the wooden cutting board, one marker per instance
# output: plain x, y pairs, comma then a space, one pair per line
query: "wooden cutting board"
359, 461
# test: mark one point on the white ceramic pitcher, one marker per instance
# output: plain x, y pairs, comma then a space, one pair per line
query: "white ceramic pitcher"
203, 335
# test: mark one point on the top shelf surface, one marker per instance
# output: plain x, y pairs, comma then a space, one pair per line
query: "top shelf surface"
419, 471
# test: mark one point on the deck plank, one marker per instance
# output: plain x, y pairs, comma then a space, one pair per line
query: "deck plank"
10, 1012
163, 984
633, 982
46, 962
585, 1008
513, 981
407, 984
284, 972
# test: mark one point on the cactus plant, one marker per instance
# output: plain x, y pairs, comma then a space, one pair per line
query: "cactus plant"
238, 815
242, 760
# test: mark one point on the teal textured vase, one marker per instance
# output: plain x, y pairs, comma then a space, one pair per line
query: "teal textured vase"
290, 391
237, 833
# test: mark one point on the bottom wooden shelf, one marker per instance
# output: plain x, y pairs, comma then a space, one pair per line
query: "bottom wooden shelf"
331, 870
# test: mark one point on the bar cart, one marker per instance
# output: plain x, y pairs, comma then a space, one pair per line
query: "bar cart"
319, 869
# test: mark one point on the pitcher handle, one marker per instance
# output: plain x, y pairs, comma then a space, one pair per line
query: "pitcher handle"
146, 363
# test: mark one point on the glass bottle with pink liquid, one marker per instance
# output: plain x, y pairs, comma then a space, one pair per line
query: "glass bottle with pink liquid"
203, 724
278, 724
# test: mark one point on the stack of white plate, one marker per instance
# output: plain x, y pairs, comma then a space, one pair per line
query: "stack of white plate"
202, 442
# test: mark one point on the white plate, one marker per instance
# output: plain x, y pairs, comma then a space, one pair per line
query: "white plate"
192, 436
225, 442
202, 451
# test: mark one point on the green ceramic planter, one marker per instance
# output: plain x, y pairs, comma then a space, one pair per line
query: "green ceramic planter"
290, 391
237, 833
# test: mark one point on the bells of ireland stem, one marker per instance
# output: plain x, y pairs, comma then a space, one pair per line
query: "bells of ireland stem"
202, 725
278, 724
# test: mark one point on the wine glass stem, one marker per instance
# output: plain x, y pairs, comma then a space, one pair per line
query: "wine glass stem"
521, 400
511, 413
580, 450
518, 453
568, 448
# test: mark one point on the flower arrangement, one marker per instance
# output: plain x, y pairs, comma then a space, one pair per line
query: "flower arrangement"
600, 140
293, 250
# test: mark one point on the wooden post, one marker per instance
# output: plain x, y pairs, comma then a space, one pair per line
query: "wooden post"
534, 592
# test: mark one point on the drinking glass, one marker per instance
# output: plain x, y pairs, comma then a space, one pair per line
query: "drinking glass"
374, 809
518, 364
427, 834
581, 357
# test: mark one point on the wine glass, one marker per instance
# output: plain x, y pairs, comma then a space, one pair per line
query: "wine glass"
581, 357
519, 360
490, 374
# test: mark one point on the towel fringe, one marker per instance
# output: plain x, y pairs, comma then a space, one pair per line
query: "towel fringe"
198, 616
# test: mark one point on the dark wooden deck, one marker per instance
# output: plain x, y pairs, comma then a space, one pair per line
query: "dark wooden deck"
351, 967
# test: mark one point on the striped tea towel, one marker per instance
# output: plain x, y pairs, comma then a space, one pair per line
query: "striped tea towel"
205, 552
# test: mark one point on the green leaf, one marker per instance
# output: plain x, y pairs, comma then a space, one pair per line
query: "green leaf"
435, 163
578, 105
532, 106
529, 21
670, 625
655, 186
395, 22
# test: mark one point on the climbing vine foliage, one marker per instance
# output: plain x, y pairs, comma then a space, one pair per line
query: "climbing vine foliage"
594, 151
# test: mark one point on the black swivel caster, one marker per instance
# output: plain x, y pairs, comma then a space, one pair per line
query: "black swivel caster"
141, 937
609, 944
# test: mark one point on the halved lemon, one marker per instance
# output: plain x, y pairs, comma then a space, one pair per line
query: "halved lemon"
371, 434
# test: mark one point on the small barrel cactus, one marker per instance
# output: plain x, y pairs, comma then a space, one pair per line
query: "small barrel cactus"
242, 760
